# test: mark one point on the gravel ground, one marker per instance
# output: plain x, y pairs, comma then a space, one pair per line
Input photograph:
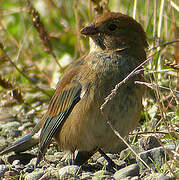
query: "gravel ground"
55, 166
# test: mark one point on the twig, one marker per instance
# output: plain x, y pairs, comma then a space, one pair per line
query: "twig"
43, 34
118, 135
150, 132
133, 73
164, 44
114, 91
26, 55
6, 57
152, 86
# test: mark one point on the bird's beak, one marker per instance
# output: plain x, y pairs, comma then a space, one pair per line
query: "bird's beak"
89, 30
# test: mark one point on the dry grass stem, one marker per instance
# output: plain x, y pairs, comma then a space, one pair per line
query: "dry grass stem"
120, 137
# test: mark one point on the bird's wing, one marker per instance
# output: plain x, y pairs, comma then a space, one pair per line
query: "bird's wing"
62, 103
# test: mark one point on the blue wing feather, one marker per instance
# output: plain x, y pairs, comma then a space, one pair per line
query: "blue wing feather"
55, 123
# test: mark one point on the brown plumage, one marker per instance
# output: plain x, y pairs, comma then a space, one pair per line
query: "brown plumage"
74, 118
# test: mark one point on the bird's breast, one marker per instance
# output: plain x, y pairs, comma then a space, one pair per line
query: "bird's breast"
86, 127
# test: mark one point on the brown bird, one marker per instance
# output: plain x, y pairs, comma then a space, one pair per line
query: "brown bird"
74, 118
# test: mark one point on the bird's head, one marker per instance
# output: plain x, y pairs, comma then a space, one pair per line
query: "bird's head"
111, 31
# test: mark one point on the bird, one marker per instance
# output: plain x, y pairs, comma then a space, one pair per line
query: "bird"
74, 118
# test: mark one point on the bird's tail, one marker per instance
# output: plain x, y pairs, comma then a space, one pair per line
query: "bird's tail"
23, 144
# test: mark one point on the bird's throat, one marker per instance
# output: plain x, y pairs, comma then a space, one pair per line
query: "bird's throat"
96, 44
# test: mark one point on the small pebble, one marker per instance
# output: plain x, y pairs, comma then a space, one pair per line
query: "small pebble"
16, 162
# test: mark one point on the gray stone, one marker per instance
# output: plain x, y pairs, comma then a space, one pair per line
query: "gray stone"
13, 124
86, 175
35, 175
155, 157
25, 125
51, 174
104, 177
11, 132
132, 170
135, 178
149, 142
72, 169
158, 176
102, 173
126, 153
16, 162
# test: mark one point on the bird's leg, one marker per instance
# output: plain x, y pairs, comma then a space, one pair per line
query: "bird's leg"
83, 156
111, 163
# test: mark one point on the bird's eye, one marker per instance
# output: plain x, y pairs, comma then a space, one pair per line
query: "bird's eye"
112, 27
